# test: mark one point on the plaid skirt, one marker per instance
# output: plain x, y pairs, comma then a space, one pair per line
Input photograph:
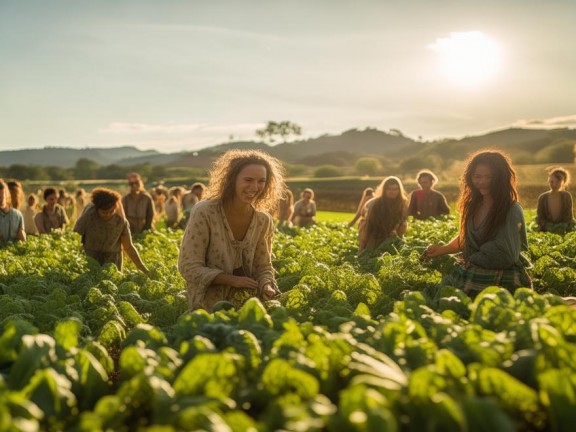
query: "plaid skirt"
472, 279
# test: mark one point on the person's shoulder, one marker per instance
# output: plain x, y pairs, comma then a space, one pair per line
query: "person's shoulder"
371, 202
17, 213
264, 216
516, 209
205, 207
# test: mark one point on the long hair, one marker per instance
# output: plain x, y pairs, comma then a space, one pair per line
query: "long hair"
502, 189
7, 195
16, 193
225, 171
385, 214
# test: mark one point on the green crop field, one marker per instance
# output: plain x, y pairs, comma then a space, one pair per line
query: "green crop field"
367, 343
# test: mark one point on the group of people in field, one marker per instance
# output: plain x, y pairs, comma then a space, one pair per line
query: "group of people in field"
226, 250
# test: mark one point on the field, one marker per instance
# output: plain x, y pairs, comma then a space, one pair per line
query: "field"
367, 343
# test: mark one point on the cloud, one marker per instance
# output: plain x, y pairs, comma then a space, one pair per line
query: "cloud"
549, 123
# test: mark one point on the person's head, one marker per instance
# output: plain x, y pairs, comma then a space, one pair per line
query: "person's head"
135, 182
80, 192
307, 194
198, 189
16, 193
106, 202
488, 175
5, 198
368, 193
50, 196
32, 200
176, 192
388, 209
558, 178
426, 179
247, 175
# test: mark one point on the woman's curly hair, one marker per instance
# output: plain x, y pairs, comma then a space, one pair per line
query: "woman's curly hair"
226, 168
105, 199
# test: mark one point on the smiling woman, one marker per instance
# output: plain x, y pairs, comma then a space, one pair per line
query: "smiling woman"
468, 59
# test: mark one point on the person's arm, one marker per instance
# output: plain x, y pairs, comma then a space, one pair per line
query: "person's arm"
541, 211
149, 213
443, 204
504, 249
128, 246
567, 207
39, 221
436, 250
21, 233
65, 220
412, 209
295, 212
263, 269
313, 214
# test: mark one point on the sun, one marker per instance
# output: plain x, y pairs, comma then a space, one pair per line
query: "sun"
468, 59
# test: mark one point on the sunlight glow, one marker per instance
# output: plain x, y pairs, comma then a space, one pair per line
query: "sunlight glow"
468, 59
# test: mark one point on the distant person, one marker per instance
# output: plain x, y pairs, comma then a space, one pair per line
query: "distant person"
159, 196
492, 228
105, 232
11, 220
80, 201
172, 206
285, 208
304, 213
226, 251
427, 202
53, 216
367, 195
29, 213
138, 205
16, 193
555, 210
385, 215
66, 201
193, 196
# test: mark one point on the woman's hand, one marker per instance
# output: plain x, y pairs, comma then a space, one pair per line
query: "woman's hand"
243, 282
269, 292
433, 251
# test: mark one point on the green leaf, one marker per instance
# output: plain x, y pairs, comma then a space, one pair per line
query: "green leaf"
67, 333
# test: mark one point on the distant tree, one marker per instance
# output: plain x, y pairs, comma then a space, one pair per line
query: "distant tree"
27, 172
396, 132
86, 169
295, 170
59, 173
368, 166
112, 172
159, 172
282, 129
328, 171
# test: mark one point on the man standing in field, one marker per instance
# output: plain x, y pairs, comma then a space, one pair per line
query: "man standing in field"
427, 202
138, 205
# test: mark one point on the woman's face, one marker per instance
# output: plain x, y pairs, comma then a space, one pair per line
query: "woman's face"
555, 183
307, 196
392, 191
51, 200
250, 183
482, 179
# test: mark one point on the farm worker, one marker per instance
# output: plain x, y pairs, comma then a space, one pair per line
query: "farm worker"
555, 206
227, 245
304, 213
367, 195
385, 214
29, 214
11, 220
194, 195
285, 208
492, 228
172, 206
427, 202
138, 205
16, 193
80, 201
105, 230
53, 216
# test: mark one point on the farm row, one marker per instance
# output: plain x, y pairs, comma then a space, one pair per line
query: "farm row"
353, 343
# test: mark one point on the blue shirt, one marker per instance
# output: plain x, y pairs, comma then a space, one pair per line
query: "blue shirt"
11, 223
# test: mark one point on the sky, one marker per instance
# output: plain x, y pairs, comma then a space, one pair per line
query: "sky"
182, 75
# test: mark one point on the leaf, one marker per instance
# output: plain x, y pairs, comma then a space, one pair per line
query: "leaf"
67, 333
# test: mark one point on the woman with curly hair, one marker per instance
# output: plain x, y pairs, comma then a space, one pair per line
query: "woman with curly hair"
105, 230
492, 228
227, 245
385, 214
555, 209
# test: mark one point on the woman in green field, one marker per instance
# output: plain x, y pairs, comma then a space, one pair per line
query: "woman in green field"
492, 228
385, 215
555, 210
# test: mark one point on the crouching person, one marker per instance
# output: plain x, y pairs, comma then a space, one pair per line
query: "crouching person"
105, 230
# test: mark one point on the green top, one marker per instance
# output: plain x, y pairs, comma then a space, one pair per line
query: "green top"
503, 250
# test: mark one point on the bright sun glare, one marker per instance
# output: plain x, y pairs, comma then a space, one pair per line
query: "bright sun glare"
468, 59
